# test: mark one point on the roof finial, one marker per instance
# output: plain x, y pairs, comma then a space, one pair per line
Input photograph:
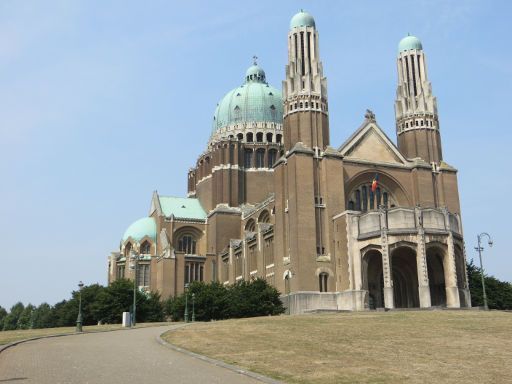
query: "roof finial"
255, 60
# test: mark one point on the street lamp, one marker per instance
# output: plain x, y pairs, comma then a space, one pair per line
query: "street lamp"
134, 259
79, 318
480, 249
186, 303
193, 307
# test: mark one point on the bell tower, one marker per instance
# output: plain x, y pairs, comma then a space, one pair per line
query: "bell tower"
305, 88
417, 123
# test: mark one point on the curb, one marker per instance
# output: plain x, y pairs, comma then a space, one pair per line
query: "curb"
14, 343
218, 363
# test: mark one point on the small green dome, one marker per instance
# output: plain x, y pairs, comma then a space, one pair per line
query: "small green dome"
253, 102
140, 229
409, 42
255, 73
302, 19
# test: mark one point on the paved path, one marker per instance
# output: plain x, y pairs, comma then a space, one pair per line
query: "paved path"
131, 356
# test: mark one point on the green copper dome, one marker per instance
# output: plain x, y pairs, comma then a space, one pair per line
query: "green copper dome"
409, 42
140, 229
253, 102
302, 19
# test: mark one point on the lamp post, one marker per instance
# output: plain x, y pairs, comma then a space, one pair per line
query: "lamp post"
193, 307
480, 249
134, 258
186, 303
79, 318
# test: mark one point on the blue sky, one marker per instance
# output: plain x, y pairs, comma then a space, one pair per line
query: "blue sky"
102, 102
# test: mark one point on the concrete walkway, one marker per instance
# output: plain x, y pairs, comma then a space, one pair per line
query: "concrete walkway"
132, 356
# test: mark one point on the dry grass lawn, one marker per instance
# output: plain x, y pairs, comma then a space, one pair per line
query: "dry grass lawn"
7, 337
368, 347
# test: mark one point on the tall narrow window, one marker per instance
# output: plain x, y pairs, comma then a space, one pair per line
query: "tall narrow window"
322, 281
250, 137
187, 244
371, 199
271, 157
259, 137
378, 195
248, 158
365, 198
358, 200
145, 248
385, 198
260, 158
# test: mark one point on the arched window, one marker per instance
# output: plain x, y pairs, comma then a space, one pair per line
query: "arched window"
250, 226
127, 249
363, 198
269, 137
145, 248
260, 158
259, 137
264, 217
278, 138
240, 136
187, 244
250, 137
238, 114
271, 157
248, 158
322, 281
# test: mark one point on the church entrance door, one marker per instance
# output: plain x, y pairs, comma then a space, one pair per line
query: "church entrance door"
405, 278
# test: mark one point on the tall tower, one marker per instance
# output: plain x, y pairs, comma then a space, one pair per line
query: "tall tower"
305, 87
306, 193
417, 123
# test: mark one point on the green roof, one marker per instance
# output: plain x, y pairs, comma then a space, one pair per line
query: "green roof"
182, 207
254, 101
302, 19
409, 42
140, 229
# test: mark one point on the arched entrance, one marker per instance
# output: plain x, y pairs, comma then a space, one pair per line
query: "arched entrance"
373, 281
405, 277
436, 276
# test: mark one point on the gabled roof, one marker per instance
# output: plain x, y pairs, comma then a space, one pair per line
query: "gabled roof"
181, 207
370, 143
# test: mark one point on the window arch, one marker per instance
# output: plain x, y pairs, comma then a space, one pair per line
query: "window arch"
187, 244
249, 137
127, 249
145, 248
259, 137
240, 136
250, 226
264, 217
278, 138
362, 198
269, 137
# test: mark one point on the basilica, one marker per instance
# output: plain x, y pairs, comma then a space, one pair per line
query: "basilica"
363, 225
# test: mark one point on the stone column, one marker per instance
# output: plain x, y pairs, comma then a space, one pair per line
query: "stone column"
450, 270
389, 301
421, 264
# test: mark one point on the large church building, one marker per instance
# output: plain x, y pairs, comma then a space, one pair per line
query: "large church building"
362, 225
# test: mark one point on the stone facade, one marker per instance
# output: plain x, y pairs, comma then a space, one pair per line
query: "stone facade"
363, 226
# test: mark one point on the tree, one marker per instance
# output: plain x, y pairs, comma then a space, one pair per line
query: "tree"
25, 319
151, 309
43, 317
499, 293
3, 314
11, 320
115, 299
214, 301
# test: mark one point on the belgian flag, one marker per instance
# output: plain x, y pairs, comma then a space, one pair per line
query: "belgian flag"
375, 182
